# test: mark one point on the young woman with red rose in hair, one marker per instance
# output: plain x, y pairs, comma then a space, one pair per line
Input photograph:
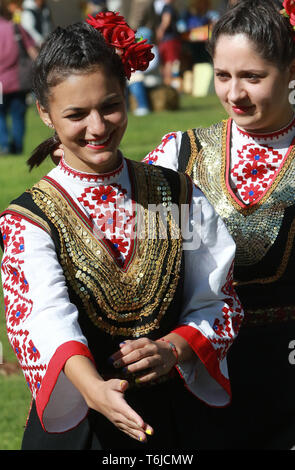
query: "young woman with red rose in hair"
245, 166
121, 320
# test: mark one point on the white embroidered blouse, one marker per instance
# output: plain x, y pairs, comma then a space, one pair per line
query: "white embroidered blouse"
42, 323
254, 159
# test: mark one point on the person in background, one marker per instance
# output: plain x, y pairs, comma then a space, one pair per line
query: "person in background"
142, 17
245, 165
13, 96
36, 20
169, 42
15, 8
197, 14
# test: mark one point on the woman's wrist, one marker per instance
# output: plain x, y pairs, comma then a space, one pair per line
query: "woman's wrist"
81, 371
172, 348
183, 349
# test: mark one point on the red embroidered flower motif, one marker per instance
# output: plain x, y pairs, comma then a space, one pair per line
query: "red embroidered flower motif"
33, 352
167, 138
104, 195
6, 231
18, 246
37, 382
289, 6
254, 171
110, 220
152, 157
257, 155
14, 274
24, 285
17, 349
236, 323
218, 328
251, 193
18, 314
119, 245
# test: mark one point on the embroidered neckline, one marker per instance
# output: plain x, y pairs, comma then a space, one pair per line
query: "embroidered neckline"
90, 177
270, 135
239, 204
92, 228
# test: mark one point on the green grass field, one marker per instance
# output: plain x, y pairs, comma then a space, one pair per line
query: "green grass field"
143, 135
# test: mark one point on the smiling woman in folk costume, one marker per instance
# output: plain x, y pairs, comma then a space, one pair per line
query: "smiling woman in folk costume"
117, 327
245, 167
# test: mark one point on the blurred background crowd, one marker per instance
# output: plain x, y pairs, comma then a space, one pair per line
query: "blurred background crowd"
178, 29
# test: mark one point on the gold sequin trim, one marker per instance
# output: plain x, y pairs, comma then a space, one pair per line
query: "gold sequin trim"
256, 229
130, 302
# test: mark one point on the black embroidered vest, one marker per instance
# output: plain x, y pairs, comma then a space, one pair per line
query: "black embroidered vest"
141, 298
264, 233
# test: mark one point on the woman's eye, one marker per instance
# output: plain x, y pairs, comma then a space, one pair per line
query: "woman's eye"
253, 77
221, 74
75, 116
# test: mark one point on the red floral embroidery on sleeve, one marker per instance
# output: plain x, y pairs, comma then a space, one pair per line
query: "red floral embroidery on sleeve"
17, 303
153, 156
232, 314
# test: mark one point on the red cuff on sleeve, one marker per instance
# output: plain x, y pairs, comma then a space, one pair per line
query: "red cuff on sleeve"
206, 353
55, 366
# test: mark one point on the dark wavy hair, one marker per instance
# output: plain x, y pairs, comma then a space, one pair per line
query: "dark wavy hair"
78, 48
261, 21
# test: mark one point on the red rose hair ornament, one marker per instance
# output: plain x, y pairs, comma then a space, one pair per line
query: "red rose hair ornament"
135, 53
289, 12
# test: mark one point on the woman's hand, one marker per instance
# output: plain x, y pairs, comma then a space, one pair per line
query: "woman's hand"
106, 397
152, 358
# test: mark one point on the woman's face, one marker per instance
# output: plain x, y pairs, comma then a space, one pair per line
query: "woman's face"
88, 112
253, 91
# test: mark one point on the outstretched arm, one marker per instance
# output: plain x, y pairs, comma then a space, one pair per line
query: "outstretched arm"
106, 397
43, 329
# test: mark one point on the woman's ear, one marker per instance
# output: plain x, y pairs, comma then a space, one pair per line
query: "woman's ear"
44, 115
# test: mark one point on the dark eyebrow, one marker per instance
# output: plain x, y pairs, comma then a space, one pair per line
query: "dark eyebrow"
72, 108
106, 100
258, 72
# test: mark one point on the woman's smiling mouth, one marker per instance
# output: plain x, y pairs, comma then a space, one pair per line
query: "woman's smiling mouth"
98, 144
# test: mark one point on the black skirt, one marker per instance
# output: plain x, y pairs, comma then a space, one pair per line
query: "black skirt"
262, 374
